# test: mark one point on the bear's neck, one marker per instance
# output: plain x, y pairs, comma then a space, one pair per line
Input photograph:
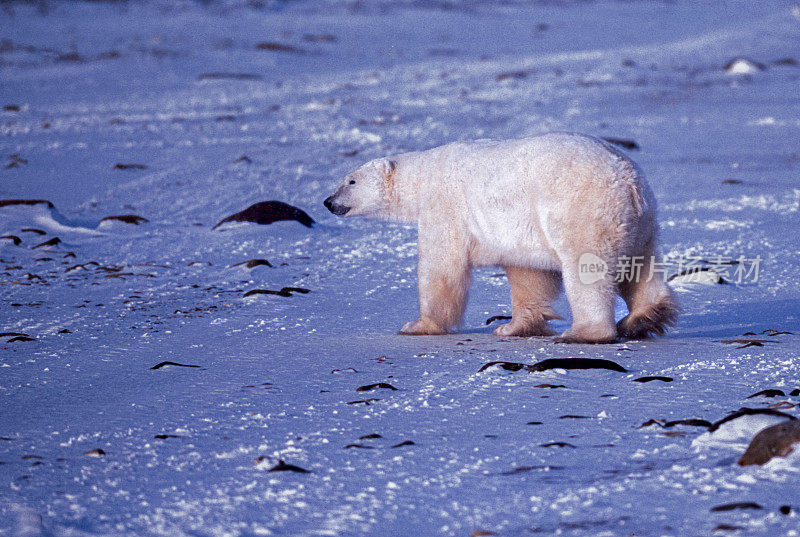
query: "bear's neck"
401, 202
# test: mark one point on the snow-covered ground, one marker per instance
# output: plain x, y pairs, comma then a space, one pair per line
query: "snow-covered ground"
183, 90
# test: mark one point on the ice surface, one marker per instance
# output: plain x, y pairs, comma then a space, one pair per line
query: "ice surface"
213, 124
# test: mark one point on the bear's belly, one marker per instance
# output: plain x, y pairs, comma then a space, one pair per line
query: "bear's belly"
509, 238
538, 258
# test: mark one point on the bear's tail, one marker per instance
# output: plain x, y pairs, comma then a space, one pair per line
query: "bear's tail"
652, 308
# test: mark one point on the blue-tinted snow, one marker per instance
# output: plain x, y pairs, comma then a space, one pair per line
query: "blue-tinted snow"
99, 84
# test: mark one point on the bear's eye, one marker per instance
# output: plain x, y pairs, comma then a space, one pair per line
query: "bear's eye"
352, 181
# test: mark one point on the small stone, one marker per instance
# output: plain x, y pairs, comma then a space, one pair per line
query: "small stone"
267, 212
775, 441
120, 166
622, 142
126, 218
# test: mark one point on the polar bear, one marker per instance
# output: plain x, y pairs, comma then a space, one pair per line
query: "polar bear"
537, 207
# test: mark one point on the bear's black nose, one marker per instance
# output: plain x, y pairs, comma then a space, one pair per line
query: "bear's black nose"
338, 210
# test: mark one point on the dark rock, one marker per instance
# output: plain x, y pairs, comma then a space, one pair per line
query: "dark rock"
20, 338
692, 422
785, 509
284, 292
279, 47
109, 55
228, 76
577, 363
771, 332
319, 38
252, 263
768, 393
283, 467
267, 212
70, 57
650, 422
696, 270
164, 364
383, 385
727, 527
13, 238
490, 320
749, 412
735, 506
558, 444
11, 108
8, 203
521, 469
126, 218
403, 444
82, 266
120, 166
627, 144
745, 342
514, 75
15, 161
96, 452
775, 441
559, 363
650, 379
731, 182
364, 401
508, 366
372, 436
34, 230
51, 242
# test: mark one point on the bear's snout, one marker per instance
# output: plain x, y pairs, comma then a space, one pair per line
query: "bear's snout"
338, 210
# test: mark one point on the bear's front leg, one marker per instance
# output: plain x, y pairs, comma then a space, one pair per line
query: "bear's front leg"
444, 275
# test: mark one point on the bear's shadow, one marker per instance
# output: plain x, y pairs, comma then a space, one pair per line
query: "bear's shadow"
726, 320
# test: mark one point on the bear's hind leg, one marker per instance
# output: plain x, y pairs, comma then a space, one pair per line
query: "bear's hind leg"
532, 292
444, 277
592, 306
651, 303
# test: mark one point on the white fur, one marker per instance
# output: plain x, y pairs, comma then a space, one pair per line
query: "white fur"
533, 206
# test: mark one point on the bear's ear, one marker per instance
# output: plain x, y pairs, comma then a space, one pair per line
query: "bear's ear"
388, 166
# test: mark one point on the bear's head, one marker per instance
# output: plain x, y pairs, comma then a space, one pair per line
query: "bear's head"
365, 191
